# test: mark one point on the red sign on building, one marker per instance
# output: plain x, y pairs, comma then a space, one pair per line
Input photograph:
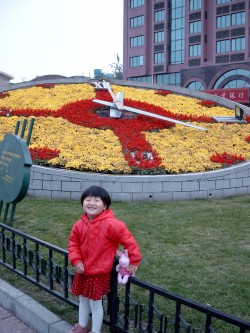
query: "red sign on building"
236, 95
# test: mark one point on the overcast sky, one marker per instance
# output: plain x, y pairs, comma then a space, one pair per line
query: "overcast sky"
65, 37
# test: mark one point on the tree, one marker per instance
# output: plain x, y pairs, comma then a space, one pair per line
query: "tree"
117, 68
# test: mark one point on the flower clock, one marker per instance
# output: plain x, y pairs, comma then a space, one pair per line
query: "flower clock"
73, 131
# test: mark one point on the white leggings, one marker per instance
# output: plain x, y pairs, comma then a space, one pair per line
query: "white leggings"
95, 307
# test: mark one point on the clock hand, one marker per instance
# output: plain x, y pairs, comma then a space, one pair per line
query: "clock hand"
149, 114
117, 99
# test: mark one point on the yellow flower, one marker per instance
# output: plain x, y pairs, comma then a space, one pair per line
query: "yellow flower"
173, 102
185, 149
182, 149
38, 98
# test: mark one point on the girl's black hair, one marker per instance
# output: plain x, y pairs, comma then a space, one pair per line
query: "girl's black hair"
97, 191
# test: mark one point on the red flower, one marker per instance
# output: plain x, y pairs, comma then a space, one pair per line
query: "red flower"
45, 85
247, 118
226, 159
43, 154
4, 94
208, 104
163, 92
247, 138
137, 150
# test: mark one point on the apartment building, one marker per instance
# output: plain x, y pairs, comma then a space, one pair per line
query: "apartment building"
196, 44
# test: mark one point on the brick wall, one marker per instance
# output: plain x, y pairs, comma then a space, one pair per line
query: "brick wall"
62, 184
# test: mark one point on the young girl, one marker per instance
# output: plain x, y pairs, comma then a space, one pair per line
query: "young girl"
93, 242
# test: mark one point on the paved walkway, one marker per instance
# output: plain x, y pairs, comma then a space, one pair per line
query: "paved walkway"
11, 324
20, 313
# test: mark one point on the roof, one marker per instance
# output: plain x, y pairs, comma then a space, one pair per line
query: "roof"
7, 75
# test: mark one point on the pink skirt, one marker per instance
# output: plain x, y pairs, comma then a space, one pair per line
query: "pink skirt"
91, 286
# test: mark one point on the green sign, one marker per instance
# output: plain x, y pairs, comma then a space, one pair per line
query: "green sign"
15, 163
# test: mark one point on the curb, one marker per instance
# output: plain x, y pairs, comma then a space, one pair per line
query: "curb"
30, 312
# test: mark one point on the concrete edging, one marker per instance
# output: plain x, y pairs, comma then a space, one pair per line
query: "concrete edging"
30, 312
54, 183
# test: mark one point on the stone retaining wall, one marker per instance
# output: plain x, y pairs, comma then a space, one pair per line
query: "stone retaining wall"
62, 184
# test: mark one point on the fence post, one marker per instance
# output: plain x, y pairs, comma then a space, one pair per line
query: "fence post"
113, 298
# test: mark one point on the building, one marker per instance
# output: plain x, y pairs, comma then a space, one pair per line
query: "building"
196, 44
5, 79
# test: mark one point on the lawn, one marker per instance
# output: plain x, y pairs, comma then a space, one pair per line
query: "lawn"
198, 249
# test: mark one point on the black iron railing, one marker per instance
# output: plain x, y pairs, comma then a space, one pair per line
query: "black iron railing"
136, 307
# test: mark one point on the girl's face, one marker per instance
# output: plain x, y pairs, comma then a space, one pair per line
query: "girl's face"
93, 206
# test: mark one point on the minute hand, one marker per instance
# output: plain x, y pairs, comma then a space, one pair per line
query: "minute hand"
149, 114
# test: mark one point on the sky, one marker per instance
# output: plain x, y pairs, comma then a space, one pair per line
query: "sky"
64, 37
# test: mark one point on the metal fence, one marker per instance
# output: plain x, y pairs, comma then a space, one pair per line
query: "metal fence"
136, 307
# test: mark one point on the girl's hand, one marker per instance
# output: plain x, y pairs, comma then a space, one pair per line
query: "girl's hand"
79, 268
132, 269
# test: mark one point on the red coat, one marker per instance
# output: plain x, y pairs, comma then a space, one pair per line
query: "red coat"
95, 243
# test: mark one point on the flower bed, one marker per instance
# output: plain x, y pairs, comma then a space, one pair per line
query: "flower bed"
71, 132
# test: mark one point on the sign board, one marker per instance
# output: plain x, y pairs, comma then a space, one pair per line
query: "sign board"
236, 95
15, 163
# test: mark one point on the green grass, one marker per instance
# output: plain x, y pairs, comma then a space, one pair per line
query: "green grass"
198, 249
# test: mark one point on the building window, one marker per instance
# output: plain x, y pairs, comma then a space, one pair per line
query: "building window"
136, 61
223, 21
195, 27
159, 57
136, 3
159, 37
195, 50
195, 85
223, 46
238, 44
137, 41
220, 2
172, 79
237, 84
194, 4
178, 12
238, 18
136, 21
159, 15
177, 31
233, 72
226, 21
147, 78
